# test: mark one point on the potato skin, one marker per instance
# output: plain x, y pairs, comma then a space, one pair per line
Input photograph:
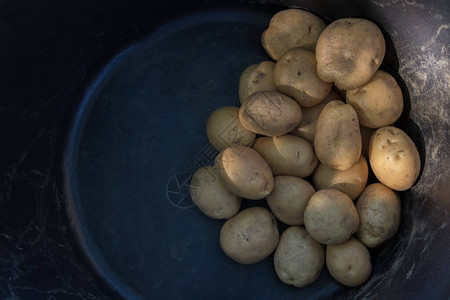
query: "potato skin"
295, 75
211, 196
394, 158
307, 127
291, 28
349, 51
351, 182
243, 82
224, 129
338, 140
349, 262
331, 217
287, 155
270, 113
298, 258
366, 134
245, 173
289, 199
379, 210
379, 102
250, 236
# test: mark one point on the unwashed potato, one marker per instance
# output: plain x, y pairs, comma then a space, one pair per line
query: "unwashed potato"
289, 199
307, 127
379, 214
349, 51
351, 182
295, 75
337, 140
379, 102
331, 217
261, 79
287, 155
349, 262
243, 82
250, 236
224, 129
366, 134
394, 158
244, 172
270, 113
211, 196
289, 29
298, 258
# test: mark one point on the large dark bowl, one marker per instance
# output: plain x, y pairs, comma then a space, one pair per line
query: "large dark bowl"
102, 110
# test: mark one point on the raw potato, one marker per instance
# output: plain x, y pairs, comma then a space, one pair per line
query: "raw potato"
331, 217
289, 199
270, 113
289, 29
261, 79
394, 158
350, 182
211, 196
287, 155
295, 75
250, 236
338, 140
366, 134
245, 173
349, 262
299, 258
379, 214
379, 102
243, 82
224, 129
307, 127
349, 52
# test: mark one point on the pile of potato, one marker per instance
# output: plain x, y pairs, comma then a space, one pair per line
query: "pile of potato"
297, 144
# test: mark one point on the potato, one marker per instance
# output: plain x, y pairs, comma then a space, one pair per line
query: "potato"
243, 82
211, 196
379, 214
351, 182
379, 102
307, 127
394, 158
349, 51
224, 129
270, 113
289, 198
260, 79
245, 173
287, 155
295, 75
250, 236
289, 29
349, 262
366, 134
298, 258
337, 140
331, 217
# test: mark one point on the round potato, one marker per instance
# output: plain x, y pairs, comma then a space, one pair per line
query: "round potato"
224, 129
243, 82
379, 214
270, 113
261, 79
245, 173
331, 217
349, 262
289, 29
394, 158
298, 258
307, 127
351, 182
366, 134
337, 140
379, 102
211, 196
287, 155
289, 198
349, 51
250, 236
295, 75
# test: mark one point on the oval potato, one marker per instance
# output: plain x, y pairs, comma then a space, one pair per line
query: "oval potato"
243, 82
